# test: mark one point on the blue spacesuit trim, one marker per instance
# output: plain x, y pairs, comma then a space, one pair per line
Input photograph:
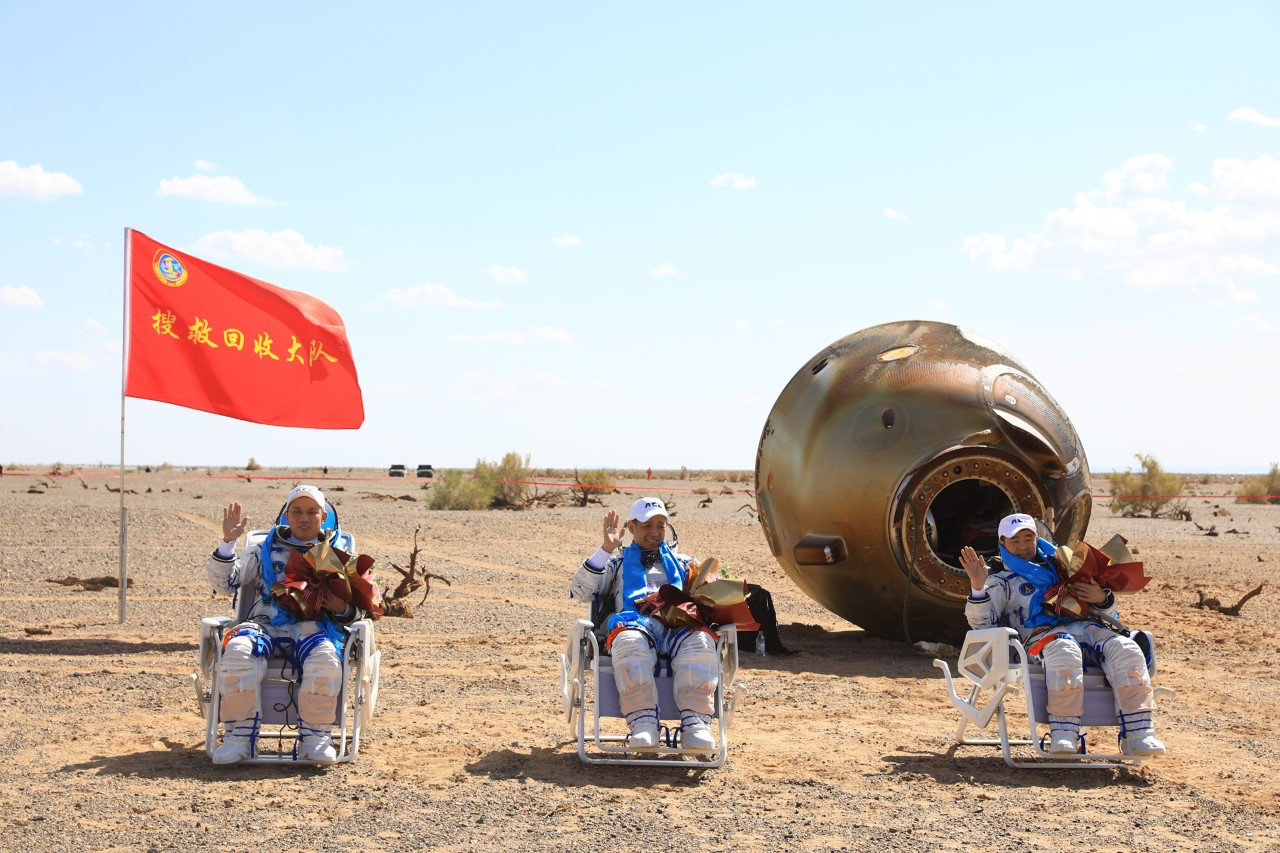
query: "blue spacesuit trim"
262, 644
635, 583
1041, 576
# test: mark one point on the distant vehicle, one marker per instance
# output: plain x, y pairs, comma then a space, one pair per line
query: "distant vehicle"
396, 471
426, 471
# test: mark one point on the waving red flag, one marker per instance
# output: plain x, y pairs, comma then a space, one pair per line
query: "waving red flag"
205, 337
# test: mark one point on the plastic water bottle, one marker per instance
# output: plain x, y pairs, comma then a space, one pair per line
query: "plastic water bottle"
760, 643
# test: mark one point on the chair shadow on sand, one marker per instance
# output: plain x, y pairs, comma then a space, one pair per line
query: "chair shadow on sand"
979, 767
181, 761
555, 765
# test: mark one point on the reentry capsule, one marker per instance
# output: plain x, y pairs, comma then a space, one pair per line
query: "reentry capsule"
891, 450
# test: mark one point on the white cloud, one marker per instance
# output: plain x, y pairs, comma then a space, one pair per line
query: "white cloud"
35, 182
1199, 126
20, 297
890, 213
285, 248
937, 305
72, 360
664, 271
94, 326
1123, 231
217, 188
1249, 181
1141, 176
432, 294
549, 380
1252, 116
205, 166
1253, 322
568, 241
507, 275
537, 334
1234, 295
734, 180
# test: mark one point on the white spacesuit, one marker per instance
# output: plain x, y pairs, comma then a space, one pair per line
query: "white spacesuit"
635, 639
265, 628
1014, 595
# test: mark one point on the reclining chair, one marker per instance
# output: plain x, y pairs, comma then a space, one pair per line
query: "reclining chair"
583, 655
998, 666
597, 695
357, 698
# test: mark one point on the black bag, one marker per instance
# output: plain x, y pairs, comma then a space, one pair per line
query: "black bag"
760, 600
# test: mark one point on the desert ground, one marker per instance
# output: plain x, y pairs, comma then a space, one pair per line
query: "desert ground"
844, 745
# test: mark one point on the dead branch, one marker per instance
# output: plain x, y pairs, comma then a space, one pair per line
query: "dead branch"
1213, 604
749, 508
705, 502
412, 579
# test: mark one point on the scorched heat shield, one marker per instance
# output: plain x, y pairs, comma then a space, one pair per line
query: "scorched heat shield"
891, 450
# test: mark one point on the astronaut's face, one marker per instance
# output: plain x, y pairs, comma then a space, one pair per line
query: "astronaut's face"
649, 534
1021, 544
305, 518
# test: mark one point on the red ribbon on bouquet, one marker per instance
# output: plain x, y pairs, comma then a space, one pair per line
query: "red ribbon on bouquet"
310, 574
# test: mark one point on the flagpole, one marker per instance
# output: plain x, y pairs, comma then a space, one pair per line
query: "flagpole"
124, 377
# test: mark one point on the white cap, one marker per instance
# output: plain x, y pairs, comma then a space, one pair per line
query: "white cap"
646, 508
306, 491
1011, 524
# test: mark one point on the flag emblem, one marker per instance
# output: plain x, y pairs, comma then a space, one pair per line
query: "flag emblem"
169, 269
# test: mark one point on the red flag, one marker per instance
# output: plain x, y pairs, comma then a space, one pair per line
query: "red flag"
207, 338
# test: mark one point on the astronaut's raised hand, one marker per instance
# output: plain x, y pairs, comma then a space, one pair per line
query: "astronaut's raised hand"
614, 531
234, 522
974, 566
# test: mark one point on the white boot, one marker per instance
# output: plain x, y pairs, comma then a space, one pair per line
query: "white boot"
1064, 735
695, 731
315, 744
1137, 735
237, 741
644, 728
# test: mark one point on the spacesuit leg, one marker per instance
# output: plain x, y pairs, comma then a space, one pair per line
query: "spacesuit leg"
1064, 683
240, 672
634, 659
696, 670
317, 695
1126, 668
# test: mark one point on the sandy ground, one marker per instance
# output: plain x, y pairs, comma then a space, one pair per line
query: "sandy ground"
845, 745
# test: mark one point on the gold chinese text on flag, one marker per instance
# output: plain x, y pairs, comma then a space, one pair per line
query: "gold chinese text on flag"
208, 338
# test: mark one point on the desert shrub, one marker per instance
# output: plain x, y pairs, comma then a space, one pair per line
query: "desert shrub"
507, 481
591, 486
455, 490
684, 473
252, 465
1264, 488
1151, 491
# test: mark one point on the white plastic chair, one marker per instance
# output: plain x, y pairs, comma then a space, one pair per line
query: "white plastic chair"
995, 662
588, 689
278, 730
278, 727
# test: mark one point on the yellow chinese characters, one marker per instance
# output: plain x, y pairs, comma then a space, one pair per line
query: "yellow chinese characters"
199, 332
162, 321
317, 351
262, 346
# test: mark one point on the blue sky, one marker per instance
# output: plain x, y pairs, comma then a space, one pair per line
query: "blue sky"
608, 236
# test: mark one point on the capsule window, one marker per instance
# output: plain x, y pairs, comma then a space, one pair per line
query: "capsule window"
887, 417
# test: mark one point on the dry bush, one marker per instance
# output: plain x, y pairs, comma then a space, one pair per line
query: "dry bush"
252, 465
457, 491
591, 486
1150, 491
507, 481
1264, 488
